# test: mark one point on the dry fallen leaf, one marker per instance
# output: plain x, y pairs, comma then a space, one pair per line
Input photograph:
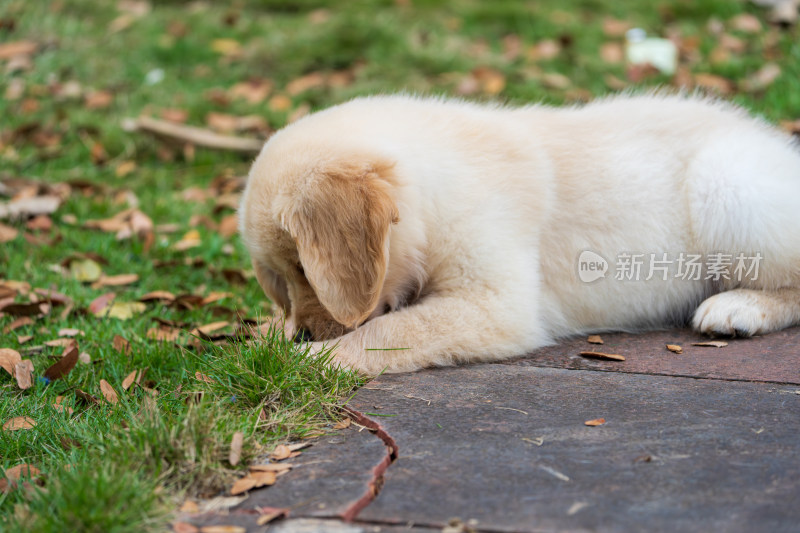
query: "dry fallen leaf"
191, 239
202, 377
23, 371
128, 381
207, 329
595, 339
674, 348
595, 422
713, 344
61, 408
115, 281
17, 48
20, 422
99, 304
71, 332
124, 310
108, 392
98, 99
342, 424
601, 355
158, 295
222, 529
253, 481
9, 359
271, 467
121, 345
69, 358
7, 233
236, 448
226, 47
15, 473
268, 514
85, 270
189, 506
762, 78
746, 23
280, 453
184, 527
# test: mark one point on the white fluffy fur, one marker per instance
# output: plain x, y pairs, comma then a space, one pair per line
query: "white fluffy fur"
496, 204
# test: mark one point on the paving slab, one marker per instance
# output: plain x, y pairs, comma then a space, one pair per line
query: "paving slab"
507, 446
334, 478
773, 358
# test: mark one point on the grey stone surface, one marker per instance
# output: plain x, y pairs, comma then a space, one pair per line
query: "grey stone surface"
507, 445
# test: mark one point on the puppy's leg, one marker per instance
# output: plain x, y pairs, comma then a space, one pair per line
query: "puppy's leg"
744, 312
439, 330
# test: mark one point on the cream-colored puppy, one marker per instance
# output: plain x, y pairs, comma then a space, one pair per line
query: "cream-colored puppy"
412, 232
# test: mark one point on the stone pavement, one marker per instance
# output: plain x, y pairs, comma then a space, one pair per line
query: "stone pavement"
706, 440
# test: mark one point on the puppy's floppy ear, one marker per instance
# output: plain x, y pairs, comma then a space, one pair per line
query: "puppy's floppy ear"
274, 285
341, 227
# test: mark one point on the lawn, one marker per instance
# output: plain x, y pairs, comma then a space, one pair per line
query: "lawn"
132, 281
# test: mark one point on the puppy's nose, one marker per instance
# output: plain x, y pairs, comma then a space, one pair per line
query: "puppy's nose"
303, 335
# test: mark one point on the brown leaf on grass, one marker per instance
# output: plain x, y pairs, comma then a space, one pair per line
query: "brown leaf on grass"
614, 27
25, 309
601, 355
17, 48
216, 296
268, 514
712, 344
40, 223
60, 342
115, 281
225, 123
98, 99
164, 334
99, 304
236, 448
640, 72
121, 345
280, 102
108, 392
254, 91
69, 358
164, 296
86, 397
674, 348
19, 422
124, 310
304, 83
228, 226
7, 233
207, 329
129, 379
612, 53
544, 50
191, 239
98, 154
253, 481
199, 376
85, 270
746, 23
595, 339
15, 473
22, 339
9, 359
71, 332
226, 47
762, 78
61, 408
23, 371
178, 116
28, 207
595, 422
714, 83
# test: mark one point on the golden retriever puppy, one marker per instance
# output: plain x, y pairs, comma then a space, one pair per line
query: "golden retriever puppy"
412, 232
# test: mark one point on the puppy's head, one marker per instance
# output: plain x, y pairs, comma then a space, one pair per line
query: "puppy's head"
317, 224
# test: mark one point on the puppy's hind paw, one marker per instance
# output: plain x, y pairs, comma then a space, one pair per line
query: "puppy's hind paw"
737, 313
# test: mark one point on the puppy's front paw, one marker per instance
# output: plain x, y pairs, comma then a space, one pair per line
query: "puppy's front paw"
737, 313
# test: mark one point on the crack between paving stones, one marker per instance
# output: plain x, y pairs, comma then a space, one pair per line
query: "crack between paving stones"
660, 374
374, 486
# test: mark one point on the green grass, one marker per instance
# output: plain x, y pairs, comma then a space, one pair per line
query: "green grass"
125, 467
